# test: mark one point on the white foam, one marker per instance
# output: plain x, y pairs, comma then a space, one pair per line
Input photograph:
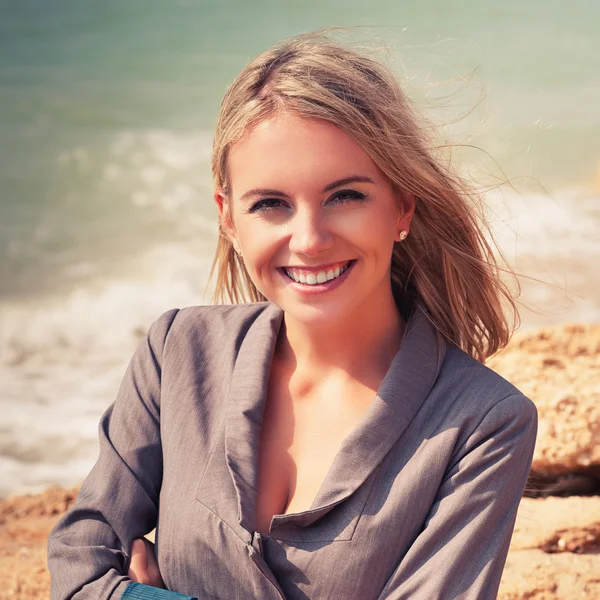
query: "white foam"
553, 242
546, 226
62, 360
165, 172
63, 355
162, 169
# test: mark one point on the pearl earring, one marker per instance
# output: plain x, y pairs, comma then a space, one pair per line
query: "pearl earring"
402, 235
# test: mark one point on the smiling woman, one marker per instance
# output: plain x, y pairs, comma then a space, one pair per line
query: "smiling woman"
341, 398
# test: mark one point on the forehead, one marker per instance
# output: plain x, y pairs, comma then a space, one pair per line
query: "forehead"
289, 151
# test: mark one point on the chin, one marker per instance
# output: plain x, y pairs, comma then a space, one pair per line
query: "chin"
325, 315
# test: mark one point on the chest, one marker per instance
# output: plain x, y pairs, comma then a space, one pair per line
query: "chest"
300, 438
299, 556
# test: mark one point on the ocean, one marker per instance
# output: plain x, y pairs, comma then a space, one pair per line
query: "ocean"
106, 212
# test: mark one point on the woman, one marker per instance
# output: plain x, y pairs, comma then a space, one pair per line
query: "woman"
338, 436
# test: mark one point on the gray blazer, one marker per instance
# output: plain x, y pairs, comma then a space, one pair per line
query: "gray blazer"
420, 501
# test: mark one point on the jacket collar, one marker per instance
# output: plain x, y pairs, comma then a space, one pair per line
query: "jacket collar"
402, 392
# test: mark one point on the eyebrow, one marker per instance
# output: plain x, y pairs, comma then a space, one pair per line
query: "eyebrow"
327, 188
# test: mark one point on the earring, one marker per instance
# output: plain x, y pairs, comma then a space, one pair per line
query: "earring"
402, 235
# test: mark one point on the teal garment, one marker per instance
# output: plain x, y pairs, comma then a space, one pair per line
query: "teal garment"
139, 591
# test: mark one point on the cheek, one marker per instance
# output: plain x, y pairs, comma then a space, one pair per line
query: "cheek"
260, 245
373, 230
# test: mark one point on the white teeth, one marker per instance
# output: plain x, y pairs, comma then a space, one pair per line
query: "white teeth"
314, 279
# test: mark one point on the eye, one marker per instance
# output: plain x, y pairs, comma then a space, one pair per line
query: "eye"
344, 196
265, 205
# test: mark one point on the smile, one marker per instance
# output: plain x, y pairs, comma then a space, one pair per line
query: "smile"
319, 275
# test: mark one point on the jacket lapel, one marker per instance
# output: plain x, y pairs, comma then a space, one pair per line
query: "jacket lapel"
400, 395
245, 408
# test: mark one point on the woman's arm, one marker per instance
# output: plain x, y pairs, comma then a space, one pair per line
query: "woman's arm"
461, 550
88, 549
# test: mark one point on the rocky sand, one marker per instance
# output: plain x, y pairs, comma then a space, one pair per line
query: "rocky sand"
555, 550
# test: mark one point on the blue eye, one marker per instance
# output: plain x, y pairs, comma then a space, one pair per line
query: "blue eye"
344, 196
266, 204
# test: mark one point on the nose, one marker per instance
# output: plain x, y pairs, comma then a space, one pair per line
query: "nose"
310, 234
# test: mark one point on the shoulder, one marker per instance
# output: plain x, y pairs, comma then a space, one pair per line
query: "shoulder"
472, 378
471, 406
475, 392
219, 317
213, 325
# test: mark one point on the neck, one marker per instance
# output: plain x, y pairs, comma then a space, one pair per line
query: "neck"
362, 345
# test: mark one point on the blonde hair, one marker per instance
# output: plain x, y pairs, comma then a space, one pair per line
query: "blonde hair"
446, 263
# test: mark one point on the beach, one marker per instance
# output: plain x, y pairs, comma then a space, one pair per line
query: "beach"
555, 549
107, 220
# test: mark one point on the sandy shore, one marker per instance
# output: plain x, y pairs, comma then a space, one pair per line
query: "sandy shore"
555, 550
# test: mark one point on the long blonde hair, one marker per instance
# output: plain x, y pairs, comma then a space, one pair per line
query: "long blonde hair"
447, 262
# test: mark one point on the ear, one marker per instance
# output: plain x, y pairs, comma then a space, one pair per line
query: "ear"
408, 202
224, 207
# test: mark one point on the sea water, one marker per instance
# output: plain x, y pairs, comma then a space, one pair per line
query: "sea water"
106, 211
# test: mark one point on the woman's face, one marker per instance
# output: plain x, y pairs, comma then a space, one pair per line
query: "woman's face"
314, 218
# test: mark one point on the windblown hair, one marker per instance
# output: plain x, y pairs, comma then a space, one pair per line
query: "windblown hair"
446, 263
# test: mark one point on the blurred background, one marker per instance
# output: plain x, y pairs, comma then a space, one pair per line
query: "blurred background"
106, 212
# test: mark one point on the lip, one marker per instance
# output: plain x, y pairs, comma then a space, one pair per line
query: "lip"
318, 288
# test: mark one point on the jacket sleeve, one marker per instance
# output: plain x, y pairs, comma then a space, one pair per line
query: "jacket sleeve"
461, 550
88, 548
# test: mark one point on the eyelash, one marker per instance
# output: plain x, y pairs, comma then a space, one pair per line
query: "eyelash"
340, 197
